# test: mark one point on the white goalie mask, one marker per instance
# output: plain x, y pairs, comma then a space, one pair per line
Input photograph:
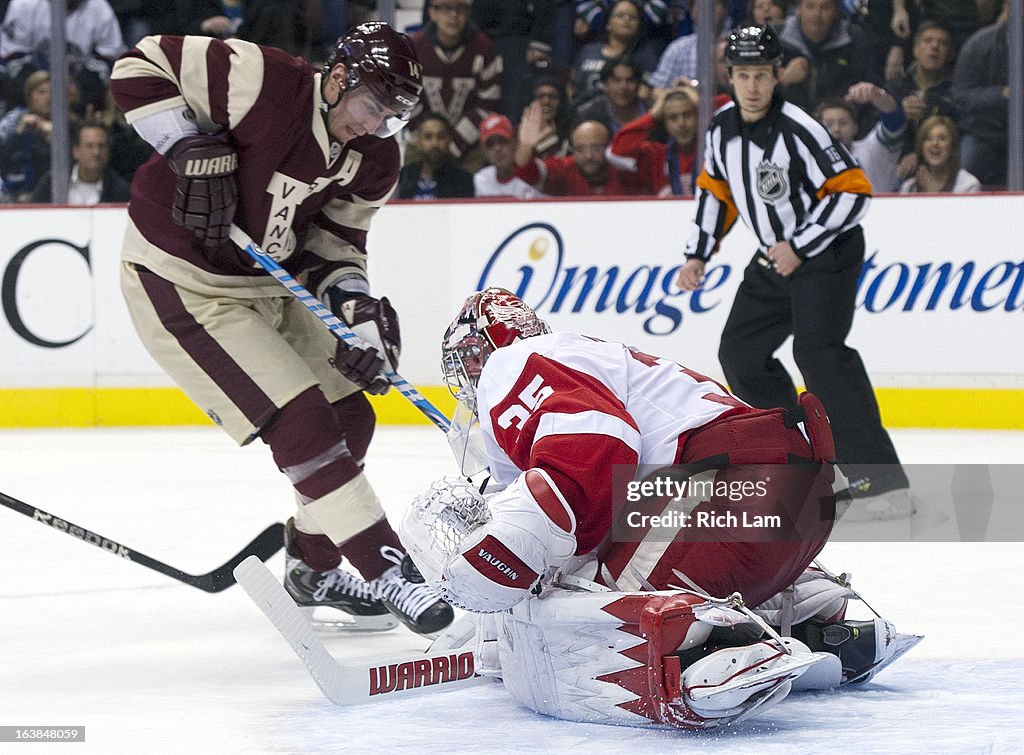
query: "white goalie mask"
488, 320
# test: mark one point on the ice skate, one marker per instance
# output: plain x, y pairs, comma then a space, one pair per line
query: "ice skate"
403, 591
338, 599
348, 602
864, 647
867, 501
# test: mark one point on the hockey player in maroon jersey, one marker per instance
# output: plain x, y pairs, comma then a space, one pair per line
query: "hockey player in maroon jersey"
561, 416
300, 160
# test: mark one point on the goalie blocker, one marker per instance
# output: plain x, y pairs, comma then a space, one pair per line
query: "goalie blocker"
489, 556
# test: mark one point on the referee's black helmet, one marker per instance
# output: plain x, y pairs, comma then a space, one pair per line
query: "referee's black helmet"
753, 46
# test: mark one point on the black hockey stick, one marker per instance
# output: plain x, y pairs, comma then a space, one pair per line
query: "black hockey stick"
264, 546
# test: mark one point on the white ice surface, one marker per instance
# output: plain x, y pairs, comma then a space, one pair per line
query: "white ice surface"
150, 665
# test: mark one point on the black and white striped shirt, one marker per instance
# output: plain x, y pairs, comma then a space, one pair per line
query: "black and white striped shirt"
784, 175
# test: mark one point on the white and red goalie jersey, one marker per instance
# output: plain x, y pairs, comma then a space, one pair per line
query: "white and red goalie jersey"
558, 413
574, 407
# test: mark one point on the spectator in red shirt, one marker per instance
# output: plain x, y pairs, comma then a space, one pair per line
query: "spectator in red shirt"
586, 172
656, 167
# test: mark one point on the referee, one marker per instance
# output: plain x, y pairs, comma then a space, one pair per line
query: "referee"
803, 196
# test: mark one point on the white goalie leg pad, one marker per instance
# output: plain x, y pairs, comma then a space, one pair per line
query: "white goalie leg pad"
610, 658
528, 532
813, 595
583, 656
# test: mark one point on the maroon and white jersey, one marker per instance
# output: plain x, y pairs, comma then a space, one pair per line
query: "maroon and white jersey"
463, 85
574, 407
305, 197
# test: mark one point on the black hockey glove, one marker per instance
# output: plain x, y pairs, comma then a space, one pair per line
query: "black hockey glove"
206, 192
376, 323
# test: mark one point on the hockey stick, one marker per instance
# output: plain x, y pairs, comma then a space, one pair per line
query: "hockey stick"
332, 323
356, 681
263, 547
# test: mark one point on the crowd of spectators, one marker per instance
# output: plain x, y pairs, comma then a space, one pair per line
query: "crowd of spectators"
528, 98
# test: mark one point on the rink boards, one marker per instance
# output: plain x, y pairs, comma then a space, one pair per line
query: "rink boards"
938, 322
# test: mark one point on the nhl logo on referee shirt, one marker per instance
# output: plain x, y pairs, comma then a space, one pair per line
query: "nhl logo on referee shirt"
771, 182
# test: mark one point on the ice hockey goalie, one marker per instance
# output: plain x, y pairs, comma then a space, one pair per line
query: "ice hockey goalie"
580, 625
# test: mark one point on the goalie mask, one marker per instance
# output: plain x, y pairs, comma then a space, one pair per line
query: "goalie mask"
488, 320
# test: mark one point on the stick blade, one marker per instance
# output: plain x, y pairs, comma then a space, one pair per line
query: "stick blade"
359, 680
277, 605
266, 544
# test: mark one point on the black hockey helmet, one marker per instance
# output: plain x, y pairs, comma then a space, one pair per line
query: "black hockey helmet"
753, 46
385, 62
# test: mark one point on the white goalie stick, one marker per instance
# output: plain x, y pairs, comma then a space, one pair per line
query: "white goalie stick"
353, 681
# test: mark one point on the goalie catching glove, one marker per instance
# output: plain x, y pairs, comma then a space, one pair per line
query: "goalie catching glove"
376, 323
487, 555
206, 193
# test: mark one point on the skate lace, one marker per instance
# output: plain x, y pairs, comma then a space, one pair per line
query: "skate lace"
410, 598
341, 580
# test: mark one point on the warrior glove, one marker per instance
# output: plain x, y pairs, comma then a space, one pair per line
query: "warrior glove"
206, 193
376, 323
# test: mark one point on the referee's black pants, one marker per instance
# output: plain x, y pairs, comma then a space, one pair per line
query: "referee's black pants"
815, 304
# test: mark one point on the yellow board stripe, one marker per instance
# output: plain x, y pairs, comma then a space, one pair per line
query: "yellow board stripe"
90, 407
966, 408
993, 409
